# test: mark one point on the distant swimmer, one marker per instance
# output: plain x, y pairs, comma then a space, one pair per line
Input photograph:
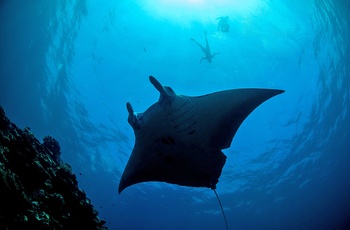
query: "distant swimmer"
223, 25
206, 50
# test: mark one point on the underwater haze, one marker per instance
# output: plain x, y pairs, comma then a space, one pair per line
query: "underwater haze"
68, 67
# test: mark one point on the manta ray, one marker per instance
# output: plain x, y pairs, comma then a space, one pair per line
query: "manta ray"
179, 139
206, 50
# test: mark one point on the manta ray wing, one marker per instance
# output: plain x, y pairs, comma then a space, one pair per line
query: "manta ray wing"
222, 113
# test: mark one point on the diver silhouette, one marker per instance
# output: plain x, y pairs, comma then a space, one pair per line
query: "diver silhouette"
206, 49
223, 25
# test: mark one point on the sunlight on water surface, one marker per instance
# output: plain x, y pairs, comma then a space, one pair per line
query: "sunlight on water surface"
200, 10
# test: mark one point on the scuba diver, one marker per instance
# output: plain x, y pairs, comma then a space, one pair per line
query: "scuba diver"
206, 50
223, 25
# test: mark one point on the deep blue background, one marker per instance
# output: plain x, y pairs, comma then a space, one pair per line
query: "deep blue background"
67, 68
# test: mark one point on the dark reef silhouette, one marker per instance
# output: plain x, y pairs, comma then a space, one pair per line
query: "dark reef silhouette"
52, 144
38, 190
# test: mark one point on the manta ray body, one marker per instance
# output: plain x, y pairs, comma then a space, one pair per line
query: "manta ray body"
179, 139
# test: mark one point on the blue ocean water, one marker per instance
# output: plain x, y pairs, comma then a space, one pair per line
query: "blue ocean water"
67, 68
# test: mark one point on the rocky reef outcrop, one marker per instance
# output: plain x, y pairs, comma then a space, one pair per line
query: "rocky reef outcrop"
38, 190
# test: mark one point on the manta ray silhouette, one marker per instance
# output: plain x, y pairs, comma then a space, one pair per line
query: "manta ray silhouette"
179, 139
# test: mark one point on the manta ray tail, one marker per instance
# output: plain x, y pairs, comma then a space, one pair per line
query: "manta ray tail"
222, 210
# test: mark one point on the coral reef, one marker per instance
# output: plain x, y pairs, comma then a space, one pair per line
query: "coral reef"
38, 190
52, 144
